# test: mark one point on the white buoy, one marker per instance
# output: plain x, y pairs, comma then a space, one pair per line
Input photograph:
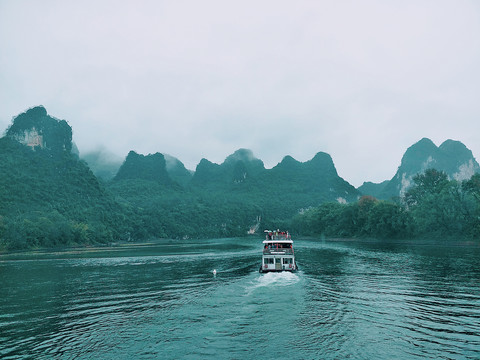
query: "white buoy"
214, 272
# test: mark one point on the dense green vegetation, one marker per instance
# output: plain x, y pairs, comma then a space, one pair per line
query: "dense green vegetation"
434, 207
162, 212
51, 198
452, 157
55, 200
48, 197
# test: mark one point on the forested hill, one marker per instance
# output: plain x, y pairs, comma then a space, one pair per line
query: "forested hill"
49, 197
151, 167
35, 128
451, 157
277, 193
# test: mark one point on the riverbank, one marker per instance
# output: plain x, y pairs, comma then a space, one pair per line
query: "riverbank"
42, 252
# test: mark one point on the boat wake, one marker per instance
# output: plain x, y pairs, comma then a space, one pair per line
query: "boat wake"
273, 279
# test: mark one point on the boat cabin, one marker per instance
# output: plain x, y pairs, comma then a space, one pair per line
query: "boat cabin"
278, 254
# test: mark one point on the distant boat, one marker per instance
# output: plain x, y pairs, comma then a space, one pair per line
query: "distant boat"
278, 253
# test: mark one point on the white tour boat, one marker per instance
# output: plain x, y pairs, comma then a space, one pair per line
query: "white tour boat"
278, 254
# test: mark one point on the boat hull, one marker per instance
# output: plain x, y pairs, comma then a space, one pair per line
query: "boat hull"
262, 270
277, 263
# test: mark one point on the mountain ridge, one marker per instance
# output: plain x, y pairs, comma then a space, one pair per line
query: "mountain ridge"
452, 157
37, 129
49, 196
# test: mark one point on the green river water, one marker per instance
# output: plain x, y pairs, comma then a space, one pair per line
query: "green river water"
350, 300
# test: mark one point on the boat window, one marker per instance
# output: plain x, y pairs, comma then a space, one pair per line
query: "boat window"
287, 260
268, 261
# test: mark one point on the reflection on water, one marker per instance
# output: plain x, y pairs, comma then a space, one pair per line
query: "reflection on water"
349, 300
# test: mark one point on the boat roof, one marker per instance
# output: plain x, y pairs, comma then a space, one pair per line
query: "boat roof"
278, 241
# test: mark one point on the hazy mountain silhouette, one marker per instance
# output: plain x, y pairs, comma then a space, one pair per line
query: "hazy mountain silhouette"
452, 157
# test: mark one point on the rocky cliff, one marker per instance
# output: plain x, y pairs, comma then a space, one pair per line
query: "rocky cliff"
36, 129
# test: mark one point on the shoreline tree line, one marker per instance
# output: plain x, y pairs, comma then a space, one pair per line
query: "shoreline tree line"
434, 207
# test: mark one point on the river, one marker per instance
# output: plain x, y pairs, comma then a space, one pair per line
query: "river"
349, 300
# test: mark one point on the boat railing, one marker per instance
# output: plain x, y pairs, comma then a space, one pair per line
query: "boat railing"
275, 250
279, 237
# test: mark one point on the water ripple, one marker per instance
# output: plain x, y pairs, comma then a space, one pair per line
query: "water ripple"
349, 301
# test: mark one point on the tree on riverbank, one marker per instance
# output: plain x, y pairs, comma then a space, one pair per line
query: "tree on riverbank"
434, 207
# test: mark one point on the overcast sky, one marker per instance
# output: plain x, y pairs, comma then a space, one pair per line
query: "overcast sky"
360, 80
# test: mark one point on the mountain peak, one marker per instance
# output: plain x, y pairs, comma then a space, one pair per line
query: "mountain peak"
289, 160
323, 160
423, 145
176, 169
242, 164
456, 147
425, 141
150, 167
245, 155
37, 111
452, 157
36, 129
419, 156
